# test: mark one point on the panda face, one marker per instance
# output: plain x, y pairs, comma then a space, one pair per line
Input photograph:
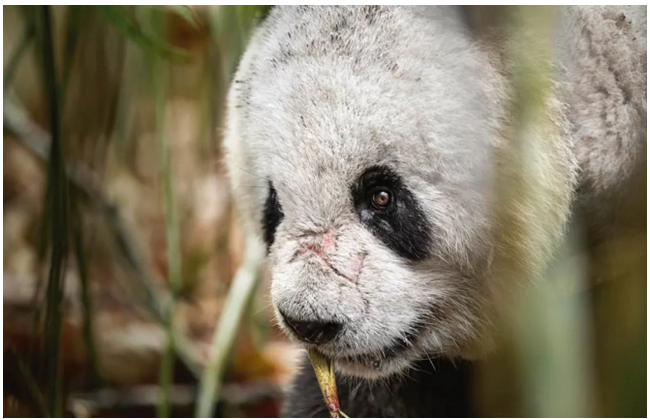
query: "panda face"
361, 277
365, 168
359, 258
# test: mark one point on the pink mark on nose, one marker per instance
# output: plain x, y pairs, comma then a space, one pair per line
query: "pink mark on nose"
322, 246
329, 242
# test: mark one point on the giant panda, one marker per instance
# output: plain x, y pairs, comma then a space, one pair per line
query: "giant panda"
365, 145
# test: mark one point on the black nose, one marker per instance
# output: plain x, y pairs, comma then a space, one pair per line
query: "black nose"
313, 331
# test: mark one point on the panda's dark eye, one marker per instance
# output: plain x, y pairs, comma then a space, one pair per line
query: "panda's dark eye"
381, 198
391, 212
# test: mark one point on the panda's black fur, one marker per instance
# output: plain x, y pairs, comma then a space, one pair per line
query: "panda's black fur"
432, 388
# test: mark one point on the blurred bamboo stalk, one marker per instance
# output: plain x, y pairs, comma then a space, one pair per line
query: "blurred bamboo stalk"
160, 84
72, 25
234, 23
550, 331
241, 290
56, 211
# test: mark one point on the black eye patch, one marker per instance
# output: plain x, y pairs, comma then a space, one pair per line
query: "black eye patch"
401, 225
272, 215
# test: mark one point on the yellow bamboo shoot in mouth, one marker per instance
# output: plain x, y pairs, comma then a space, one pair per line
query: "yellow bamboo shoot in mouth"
324, 369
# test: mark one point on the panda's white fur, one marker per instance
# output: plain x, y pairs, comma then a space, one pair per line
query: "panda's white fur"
323, 93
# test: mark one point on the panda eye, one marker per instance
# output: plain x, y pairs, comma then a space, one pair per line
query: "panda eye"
392, 213
381, 199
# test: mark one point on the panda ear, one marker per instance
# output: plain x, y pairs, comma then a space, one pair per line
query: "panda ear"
485, 21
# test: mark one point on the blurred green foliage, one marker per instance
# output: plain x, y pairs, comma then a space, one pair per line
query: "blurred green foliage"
92, 47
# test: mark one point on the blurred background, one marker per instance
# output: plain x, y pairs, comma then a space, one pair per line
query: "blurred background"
133, 99
121, 243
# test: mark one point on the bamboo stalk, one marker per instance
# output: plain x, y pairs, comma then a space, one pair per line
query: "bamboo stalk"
57, 208
556, 378
242, 289
160, 80
228, 21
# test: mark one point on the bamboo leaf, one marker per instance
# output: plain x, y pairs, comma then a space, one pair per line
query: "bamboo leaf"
184, 12
123, 22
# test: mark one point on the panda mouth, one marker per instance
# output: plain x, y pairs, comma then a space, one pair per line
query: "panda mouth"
374, 360
370, 361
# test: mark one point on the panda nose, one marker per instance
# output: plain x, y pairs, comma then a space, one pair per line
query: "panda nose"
316, 332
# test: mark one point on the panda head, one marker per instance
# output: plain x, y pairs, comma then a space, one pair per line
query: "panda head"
359, 145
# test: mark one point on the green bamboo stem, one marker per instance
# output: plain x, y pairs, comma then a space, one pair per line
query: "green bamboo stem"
57, 208
229, 21
160, 80
562, 325
242, 289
